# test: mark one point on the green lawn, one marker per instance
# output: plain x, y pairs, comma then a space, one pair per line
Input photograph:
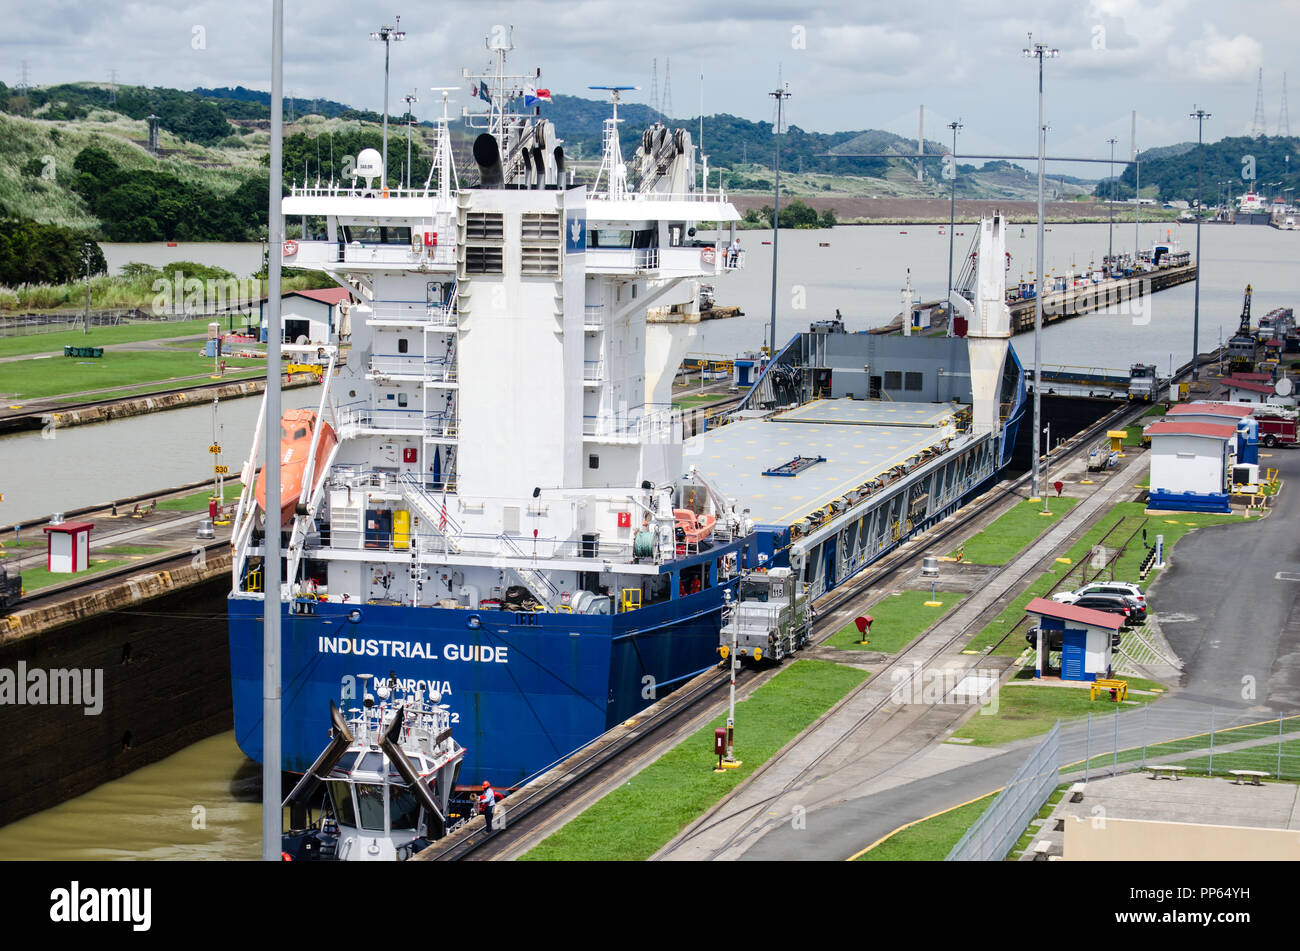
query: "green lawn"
637, 819
103, 336
34, 579
897, 620
1082, 556
198, 501
1014, 531
129, 550
686, 402
1023, 710
1264, 732
1262, 758
931, 839
56, 376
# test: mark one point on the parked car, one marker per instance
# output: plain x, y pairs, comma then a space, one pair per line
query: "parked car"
1113, 603
1125, 588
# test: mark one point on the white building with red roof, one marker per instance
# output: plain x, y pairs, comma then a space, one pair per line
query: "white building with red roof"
313, 316
1192, 454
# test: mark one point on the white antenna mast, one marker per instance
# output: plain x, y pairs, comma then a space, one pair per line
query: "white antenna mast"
444, 161
611, 159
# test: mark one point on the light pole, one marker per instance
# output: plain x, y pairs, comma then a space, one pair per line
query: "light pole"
388, 35
952, 216
1038, 51
85, 257
1110, 207
1047, 458
1200, 115
780, 94
410, 97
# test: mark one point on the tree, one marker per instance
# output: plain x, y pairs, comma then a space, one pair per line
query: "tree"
827, 219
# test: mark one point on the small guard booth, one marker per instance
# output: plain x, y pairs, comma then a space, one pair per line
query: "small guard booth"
1190, 464
68, 547
1083, 636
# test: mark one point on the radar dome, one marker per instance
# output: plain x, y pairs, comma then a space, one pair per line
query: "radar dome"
370, 164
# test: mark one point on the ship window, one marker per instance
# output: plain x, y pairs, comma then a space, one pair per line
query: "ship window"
401, 399
341, 797
912, 381
404, 808
609, 238
346, 761
893, 380
593, 461
372, 763
370, 805
298, 434
402, 345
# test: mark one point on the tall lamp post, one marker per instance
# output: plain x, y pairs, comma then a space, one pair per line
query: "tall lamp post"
388, 35
952, 216
780, 94
410, 97
1039, 51
1110, 253
1200, 115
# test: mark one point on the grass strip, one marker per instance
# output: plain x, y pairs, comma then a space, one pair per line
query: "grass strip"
637, 819
1014, 530
59, 376
34, 579
897, 620
1020, 710
198, 501
929, 840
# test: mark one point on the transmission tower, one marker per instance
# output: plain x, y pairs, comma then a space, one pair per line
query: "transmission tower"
1283, 120
654, 84
666, 107
112, 87
1257, 127
22, 81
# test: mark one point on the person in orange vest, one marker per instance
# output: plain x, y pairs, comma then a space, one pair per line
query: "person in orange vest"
486, 802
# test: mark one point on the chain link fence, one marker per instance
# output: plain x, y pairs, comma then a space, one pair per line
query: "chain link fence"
1000, 825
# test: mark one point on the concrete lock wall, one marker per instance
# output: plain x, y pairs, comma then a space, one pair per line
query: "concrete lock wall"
1143, 840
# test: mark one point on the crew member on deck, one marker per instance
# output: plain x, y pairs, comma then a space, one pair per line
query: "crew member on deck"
486, 803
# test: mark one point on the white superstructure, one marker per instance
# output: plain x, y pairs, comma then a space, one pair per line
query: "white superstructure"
503, 413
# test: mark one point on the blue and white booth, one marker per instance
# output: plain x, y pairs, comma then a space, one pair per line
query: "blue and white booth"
1082, 635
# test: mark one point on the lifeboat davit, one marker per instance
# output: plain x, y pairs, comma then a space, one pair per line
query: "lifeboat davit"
296, 428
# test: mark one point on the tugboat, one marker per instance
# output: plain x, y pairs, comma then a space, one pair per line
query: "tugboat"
384, 783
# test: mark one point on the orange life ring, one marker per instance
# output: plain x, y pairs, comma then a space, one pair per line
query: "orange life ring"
290, 249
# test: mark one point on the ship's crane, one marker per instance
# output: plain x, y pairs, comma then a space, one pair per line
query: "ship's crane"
1242, 346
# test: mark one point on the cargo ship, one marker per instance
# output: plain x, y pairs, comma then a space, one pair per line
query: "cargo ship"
509, 515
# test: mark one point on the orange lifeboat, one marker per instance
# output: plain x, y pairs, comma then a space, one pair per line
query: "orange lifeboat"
296, 428
691, 528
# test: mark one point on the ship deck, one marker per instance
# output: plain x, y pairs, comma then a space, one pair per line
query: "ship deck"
859, 439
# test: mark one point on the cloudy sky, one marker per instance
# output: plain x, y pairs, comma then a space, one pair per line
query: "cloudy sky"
859, 65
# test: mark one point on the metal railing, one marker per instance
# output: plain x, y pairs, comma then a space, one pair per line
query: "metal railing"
593, 371
652, 424
414, 365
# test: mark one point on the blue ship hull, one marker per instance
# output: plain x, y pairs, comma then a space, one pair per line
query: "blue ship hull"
535, 687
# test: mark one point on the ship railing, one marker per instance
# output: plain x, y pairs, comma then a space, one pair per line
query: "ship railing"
655, 422
717, 196
605, 260
415, 313
593, 317
354, 419
593, 371
433, 369
434, 510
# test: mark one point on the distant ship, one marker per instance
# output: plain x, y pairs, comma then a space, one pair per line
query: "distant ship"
511, 518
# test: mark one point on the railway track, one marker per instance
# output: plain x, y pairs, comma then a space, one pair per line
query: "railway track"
531, 808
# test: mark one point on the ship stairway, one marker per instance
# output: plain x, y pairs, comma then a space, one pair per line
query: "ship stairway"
964, 282
543, 589
433, 510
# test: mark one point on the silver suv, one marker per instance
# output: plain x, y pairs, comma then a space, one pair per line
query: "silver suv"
1125, 588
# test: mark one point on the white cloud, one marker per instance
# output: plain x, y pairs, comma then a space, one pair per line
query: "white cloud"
1217, 58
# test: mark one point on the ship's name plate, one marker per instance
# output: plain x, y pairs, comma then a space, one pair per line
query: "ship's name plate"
413, 650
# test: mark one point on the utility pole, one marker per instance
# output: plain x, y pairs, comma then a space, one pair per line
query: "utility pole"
1110, 208
1200, 115
388, 35
272, 759
410, 97
86, 256
780, 94
952, 216
1039, 51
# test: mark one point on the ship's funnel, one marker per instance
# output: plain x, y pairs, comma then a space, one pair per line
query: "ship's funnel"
487, 154
990, 325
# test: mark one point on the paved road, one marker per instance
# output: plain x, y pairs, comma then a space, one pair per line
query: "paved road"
1226, 614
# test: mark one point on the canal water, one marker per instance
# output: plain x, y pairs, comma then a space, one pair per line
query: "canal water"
201, 802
